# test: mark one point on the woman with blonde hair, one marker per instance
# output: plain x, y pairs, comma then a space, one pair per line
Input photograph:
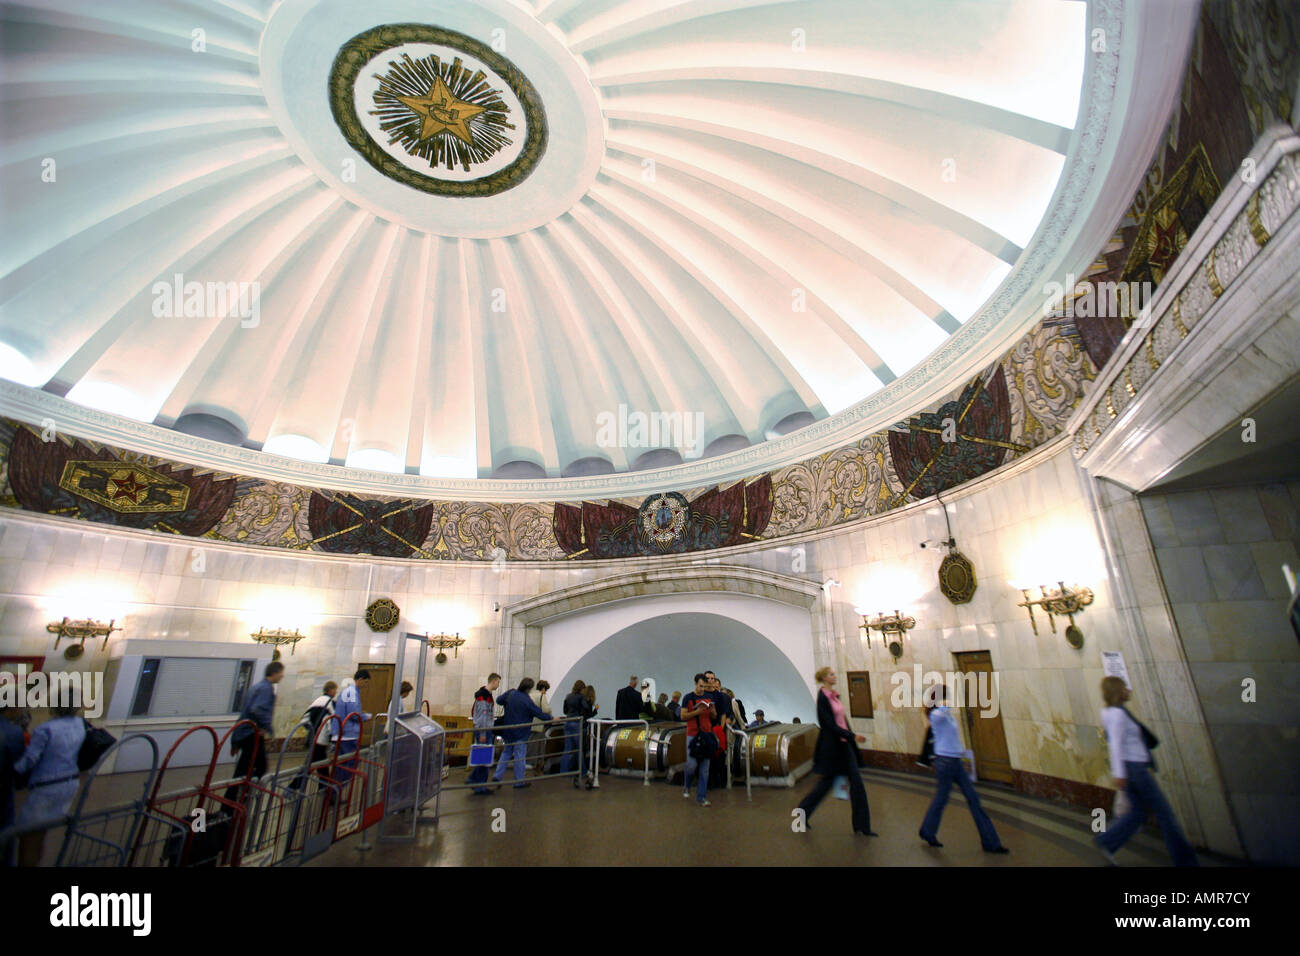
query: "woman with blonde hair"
1131, 764
836, 755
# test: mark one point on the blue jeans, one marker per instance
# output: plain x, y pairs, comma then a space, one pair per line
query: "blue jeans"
574, 753
512, 752
341, 773
1145, 795
949, 770
694, 765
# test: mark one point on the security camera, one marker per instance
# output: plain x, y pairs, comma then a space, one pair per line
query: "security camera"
948, 543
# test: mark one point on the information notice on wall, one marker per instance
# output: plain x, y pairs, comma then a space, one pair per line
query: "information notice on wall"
1112, 665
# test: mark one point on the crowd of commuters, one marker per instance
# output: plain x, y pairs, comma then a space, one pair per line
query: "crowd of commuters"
46, 760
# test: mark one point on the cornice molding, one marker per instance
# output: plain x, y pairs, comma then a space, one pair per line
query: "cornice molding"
1190, 307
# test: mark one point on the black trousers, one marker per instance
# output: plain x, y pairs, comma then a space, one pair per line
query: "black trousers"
246, 759
857, 798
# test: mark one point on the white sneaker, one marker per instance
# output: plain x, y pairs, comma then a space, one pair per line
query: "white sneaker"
705, 803
686, 793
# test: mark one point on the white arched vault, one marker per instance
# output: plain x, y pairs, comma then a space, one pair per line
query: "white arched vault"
740, 592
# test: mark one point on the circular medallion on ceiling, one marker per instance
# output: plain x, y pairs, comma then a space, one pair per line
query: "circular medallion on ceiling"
437, 110
364, 94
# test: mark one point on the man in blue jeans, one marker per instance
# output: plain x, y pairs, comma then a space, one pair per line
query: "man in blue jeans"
349, 731
949, 769
699, 712
520, 709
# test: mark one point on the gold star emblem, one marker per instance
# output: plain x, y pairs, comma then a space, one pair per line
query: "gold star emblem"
442, 112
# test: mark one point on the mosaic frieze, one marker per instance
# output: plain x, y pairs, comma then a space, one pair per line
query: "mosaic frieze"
1014, 405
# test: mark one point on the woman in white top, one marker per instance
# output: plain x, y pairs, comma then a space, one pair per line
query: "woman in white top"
1131, 765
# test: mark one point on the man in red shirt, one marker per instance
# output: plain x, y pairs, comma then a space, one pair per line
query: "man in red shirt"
699, 712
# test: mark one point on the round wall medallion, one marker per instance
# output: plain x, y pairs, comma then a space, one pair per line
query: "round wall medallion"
957, 578
73, 651
383, 615
440, 657
896, 649
1074, 637
437, 110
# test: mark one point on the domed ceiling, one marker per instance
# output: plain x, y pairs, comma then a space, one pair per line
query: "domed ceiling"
469, 239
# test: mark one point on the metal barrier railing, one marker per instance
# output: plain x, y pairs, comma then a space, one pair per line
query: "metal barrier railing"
291, 814
594, 723
528, 743
749, 793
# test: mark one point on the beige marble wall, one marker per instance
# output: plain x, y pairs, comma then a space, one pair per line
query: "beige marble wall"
1032, 521
1220, 553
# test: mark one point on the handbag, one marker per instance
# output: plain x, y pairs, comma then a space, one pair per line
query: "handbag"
703, 746
93, 747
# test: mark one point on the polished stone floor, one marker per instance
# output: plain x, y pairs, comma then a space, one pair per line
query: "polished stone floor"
625, 822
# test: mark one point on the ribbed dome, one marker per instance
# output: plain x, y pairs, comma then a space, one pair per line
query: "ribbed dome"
754, 214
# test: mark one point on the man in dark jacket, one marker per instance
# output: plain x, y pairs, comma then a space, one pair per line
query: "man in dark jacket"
521, 710
627, 706
253, 738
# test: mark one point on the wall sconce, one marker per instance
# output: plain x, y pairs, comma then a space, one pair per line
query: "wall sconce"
1058, 600
440, 642
278, 637
79, 631
897, 624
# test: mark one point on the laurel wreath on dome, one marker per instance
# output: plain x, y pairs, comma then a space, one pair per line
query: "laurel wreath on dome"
365, 47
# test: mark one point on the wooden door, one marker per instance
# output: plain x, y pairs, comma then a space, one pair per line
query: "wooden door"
987, 737
377, 695
859, 694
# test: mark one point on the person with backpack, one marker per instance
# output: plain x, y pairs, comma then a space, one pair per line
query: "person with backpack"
317, 713
699, 712
1132, 766
52, 768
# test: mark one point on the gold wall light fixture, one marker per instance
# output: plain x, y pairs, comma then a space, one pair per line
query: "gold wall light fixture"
278, 637
1062, 600
79, 631
896, 624
440, 643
